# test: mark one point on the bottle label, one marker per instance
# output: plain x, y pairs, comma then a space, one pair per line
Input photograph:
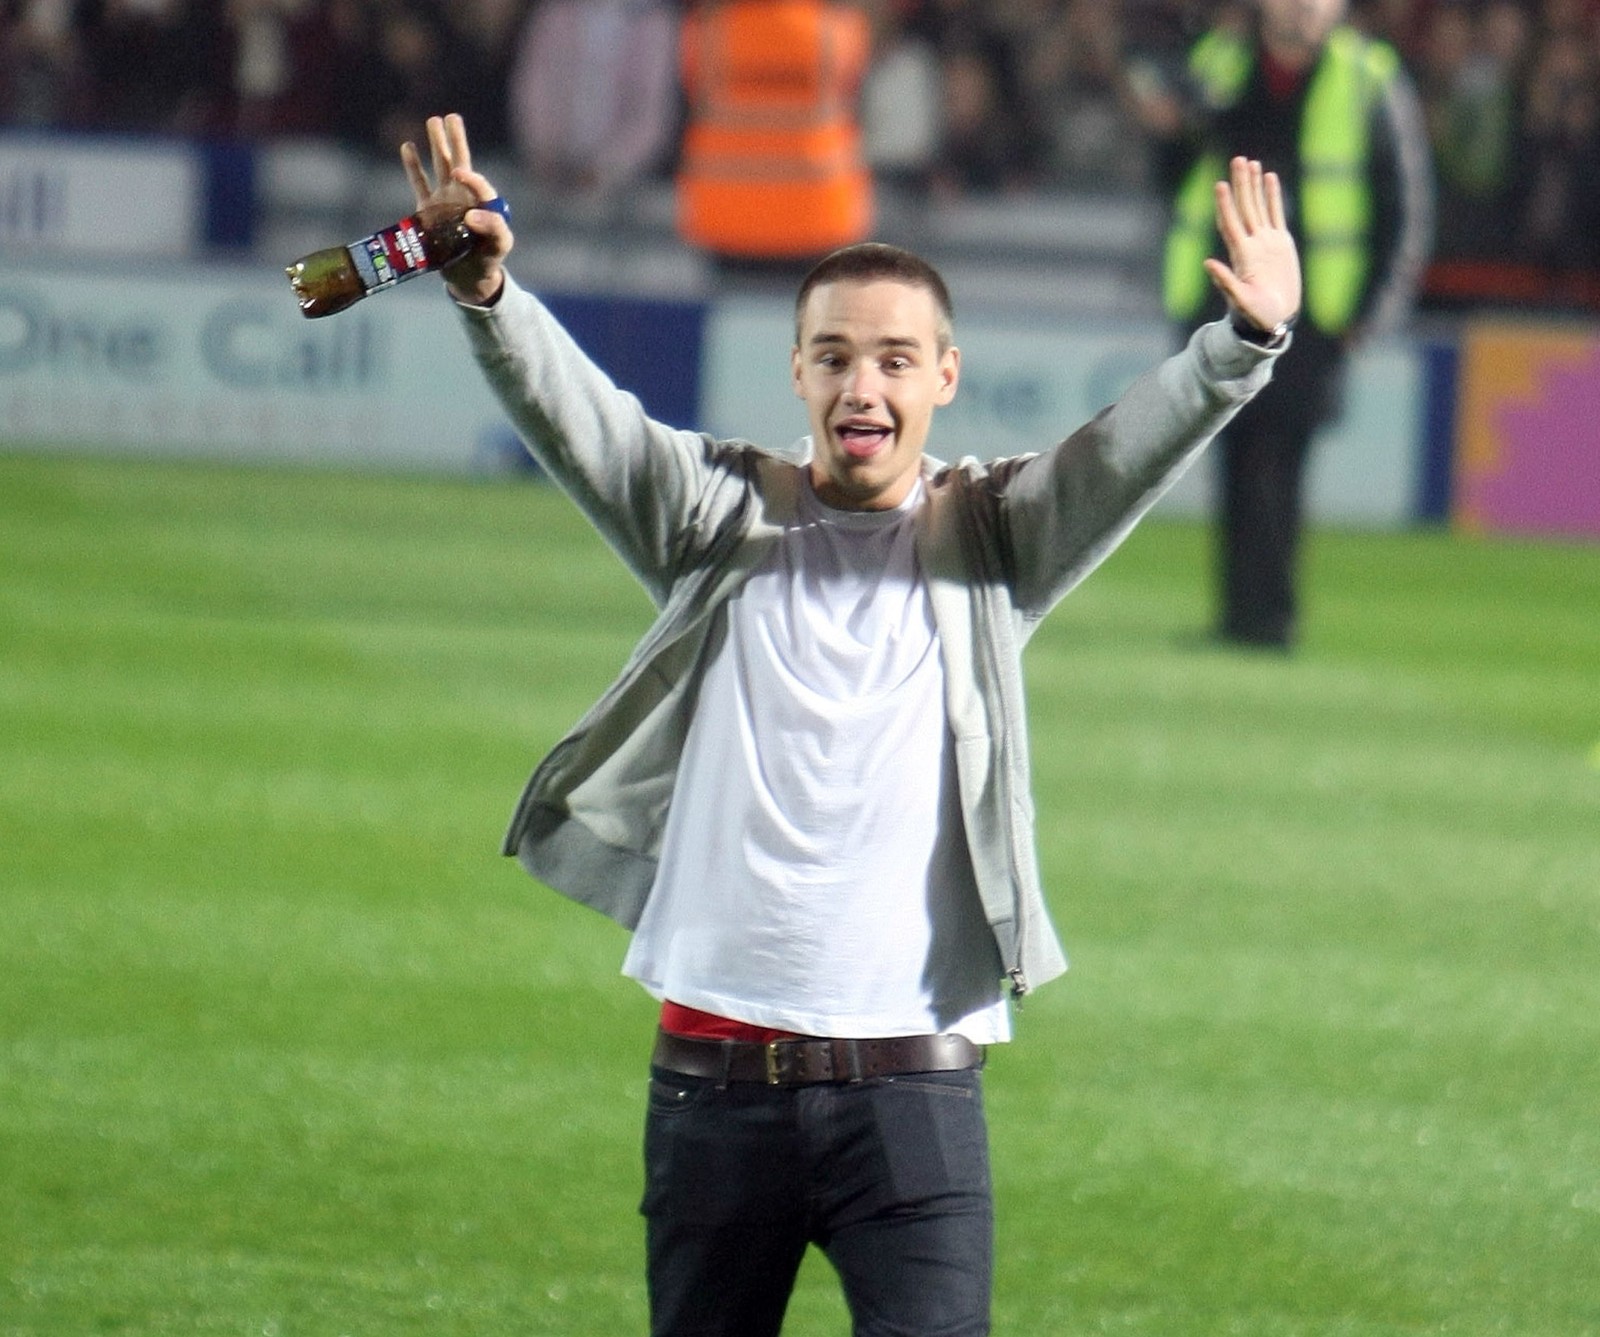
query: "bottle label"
389, 256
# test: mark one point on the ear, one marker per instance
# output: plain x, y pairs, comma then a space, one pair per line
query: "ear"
949, 375
794, 372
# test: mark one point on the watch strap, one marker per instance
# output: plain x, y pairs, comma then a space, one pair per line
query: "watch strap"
1252, 333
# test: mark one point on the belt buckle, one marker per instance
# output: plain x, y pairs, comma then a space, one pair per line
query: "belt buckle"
774, 1075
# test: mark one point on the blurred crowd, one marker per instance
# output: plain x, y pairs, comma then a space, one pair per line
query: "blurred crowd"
963, 96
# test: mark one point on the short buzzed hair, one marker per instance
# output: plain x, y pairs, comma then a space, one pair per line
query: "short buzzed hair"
868, 261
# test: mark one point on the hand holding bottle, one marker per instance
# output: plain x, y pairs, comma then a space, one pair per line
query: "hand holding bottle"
460, 227
478, 276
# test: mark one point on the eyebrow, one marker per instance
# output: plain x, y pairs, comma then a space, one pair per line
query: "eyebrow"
887, 342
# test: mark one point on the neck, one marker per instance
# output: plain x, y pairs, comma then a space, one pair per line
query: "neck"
1291, 55
1289, 47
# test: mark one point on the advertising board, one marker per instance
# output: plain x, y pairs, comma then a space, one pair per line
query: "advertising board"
174, 360
1529, 431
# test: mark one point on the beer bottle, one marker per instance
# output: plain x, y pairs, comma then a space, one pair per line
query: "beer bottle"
433, 238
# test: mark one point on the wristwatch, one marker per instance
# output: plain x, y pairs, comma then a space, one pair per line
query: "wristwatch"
1252, 333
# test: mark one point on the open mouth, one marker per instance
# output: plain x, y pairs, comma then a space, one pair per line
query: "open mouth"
862, 440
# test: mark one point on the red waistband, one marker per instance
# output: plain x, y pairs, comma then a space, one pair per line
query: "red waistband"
679, 1020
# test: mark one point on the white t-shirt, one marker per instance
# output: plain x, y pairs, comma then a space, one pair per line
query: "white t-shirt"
814, 874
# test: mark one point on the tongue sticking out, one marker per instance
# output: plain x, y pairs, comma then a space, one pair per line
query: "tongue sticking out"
862, 442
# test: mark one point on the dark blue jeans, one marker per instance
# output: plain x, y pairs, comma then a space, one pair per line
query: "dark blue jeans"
889, 1178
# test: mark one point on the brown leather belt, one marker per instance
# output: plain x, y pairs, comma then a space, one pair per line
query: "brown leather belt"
808, 1062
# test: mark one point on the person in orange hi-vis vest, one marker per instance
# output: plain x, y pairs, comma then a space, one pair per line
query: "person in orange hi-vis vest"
772, 167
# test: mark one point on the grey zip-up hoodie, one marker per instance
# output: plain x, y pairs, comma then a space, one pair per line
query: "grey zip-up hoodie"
999, 542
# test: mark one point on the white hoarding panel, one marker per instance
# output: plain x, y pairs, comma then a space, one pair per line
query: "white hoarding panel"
109, 197
220, 362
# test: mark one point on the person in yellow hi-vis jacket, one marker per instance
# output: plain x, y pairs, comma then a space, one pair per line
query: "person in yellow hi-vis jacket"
1333, 114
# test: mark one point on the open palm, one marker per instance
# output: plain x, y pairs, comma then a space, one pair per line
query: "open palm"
1261, 278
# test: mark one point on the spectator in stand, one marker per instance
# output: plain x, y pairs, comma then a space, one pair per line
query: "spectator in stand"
350, 27
902, 99
155, 65
1155, 73
1403, 24
593, 97
1560, 149
481, 37
263, 65
1568, 18
984, 147
1470, 72
397, 71
990, 139
40, 67
1504, 31
1071, 67
324, 41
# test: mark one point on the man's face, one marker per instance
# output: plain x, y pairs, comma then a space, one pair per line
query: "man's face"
1300, 25
871, 370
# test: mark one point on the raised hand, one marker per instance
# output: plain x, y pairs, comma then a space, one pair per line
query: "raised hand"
1261, 278
479, 277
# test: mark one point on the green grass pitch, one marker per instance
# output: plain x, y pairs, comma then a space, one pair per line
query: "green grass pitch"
288, 1050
